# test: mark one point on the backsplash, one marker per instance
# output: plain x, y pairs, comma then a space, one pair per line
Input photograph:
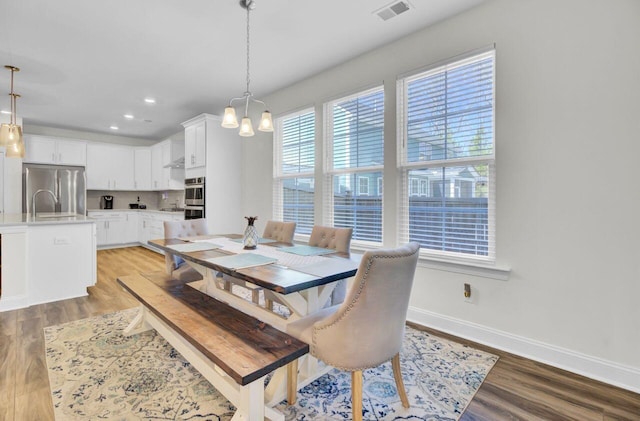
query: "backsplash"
121, 199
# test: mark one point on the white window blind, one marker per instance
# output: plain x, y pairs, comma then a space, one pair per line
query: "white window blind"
294, 155
446, 147
354, 141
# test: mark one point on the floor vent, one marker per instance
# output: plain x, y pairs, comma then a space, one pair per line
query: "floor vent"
392, 10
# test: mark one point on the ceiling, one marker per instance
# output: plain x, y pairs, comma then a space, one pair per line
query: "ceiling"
84, 64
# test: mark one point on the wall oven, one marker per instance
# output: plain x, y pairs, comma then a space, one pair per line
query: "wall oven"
193, 212
194, 198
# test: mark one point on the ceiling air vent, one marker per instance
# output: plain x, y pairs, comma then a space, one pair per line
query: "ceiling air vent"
392, 10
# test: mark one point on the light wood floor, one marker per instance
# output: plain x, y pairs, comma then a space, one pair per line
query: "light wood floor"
516, 388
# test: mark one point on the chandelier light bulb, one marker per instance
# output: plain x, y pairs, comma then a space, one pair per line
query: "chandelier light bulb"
230, 121
266, 124
246, 129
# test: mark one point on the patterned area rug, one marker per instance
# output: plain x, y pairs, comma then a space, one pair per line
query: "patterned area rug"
95, 373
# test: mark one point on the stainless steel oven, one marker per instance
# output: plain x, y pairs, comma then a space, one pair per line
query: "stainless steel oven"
194, 191
193, 212
194, 198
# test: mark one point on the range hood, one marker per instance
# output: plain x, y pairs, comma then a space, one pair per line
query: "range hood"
177, 163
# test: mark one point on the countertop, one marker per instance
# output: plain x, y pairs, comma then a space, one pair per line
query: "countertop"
138, 210
44, 218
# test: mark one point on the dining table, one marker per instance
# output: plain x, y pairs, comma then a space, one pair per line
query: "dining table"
299, 278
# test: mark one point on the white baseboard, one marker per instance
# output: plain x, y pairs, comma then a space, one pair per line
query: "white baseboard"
595, 368
14, 303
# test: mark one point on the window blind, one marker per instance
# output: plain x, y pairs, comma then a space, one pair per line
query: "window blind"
446, 158
354, 142
294, 155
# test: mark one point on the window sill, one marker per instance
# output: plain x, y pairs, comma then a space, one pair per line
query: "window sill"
493, 272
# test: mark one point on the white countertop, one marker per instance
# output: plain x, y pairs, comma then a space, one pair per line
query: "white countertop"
44, 218
137, 210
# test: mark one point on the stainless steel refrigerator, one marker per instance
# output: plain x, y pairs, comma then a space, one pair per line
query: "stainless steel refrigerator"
53, 188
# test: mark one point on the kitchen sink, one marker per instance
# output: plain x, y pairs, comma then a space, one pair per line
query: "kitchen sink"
172, 209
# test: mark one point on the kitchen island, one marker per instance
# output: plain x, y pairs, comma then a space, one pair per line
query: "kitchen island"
45, 258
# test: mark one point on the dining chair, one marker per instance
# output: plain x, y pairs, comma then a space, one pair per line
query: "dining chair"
338, 239
175, 266
279, 231
367, 329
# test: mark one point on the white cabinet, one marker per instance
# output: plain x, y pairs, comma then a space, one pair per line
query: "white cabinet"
51, 150
109, 167
111, 228
142, 168
151, 225
223, 174
131, 228
62, 261
195, 139
163, 156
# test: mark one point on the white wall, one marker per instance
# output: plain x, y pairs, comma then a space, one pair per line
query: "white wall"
568, 200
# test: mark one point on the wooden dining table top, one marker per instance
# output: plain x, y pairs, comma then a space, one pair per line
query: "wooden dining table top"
274, 277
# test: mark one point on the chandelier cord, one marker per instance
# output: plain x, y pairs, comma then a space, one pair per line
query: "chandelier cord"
248, 46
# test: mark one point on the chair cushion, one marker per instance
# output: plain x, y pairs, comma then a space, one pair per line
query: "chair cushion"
303, 328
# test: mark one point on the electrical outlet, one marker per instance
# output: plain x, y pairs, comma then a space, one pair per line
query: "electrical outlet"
468, 298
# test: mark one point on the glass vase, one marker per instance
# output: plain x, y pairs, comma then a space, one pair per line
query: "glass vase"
250, 238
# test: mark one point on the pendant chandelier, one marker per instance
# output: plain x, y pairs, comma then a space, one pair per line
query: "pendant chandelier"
230, 120
11, 133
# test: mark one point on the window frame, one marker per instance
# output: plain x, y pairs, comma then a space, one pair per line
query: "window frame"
279, 176
329, 172
404, 166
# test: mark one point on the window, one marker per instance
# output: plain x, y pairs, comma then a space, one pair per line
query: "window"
363, 186
294, 155
354, 145
446, 158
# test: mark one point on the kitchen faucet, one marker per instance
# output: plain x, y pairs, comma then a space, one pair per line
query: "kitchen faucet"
33, 200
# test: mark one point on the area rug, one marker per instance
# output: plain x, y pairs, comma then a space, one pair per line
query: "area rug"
96, 373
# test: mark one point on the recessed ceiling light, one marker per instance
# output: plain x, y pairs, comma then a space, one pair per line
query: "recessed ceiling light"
150, 100
113, 127
5, 112
128, 116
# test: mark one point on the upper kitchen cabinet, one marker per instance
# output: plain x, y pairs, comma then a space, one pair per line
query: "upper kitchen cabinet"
51, 150
109, 167
222, 167
195, 137
142, 168
167, 165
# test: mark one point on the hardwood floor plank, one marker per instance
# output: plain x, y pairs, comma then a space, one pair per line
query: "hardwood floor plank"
515, 389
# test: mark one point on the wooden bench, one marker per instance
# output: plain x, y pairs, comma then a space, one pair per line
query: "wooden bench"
232, 350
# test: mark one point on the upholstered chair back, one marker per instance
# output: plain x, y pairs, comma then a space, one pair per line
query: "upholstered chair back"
280, 231
368, 327
338, 239
178, 229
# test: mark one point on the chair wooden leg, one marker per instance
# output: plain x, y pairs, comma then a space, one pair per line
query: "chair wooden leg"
356, 394
292, 382
268, 304
255, 296
397, 374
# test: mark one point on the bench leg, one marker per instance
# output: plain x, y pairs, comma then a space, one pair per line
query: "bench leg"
251, 402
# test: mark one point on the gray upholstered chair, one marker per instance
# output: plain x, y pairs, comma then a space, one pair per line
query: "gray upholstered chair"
367, 329
338, 239
279, 231
175, 266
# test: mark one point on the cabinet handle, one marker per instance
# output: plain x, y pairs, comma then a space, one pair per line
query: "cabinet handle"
193, 159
